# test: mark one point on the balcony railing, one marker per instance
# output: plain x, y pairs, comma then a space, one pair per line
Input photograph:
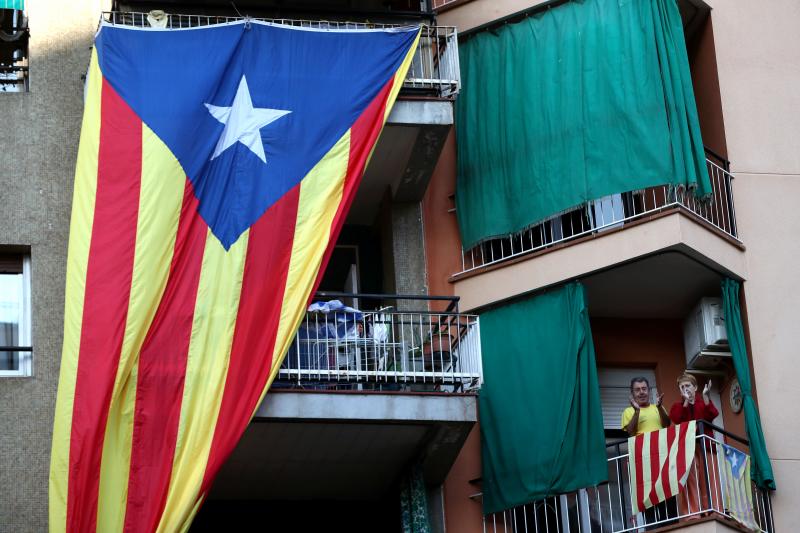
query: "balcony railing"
438, 4
612, 212
396, 345
434, 69
606, 508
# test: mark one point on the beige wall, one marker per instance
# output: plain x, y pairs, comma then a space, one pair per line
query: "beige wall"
471, 14
758, 59
758, 65
570, 261
37, 160
710, 526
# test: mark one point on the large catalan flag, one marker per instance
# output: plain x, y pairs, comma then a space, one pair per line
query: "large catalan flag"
659, 463
215, 169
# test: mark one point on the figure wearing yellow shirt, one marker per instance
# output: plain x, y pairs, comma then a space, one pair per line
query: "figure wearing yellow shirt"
643, 416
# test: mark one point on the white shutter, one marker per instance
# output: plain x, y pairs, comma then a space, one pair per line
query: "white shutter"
615, 388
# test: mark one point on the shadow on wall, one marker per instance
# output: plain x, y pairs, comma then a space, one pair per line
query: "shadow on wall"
38, 148
354, 516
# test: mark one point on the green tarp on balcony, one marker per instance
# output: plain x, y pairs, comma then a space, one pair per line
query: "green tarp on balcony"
762, 468
584, 100
12, 4
541, 421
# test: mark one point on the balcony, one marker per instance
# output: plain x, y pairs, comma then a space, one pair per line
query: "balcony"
399, 345
363, 393
606, 508
433, 72
614, 212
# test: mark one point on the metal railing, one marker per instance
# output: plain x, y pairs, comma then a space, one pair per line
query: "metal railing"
438, 4
434, 68
14, 52
606, 508
388, 347
612, 212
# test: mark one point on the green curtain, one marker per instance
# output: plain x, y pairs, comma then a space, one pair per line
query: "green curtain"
414, 502
540, 417
761, 472
584, 100
12, 4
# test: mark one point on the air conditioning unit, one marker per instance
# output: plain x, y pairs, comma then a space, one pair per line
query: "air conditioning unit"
704, 336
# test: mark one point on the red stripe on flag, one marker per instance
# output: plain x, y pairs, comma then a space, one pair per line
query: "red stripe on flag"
105, 309
363, 136
654, 464
269, 250
662, 477
162, 366
638, 457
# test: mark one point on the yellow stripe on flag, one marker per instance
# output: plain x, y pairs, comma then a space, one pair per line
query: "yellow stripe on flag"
400, 76
633, 464
663, 454
672, 474
691, 434
397, 84
79, 239
160, 199
320, 195
207, 364
646, 478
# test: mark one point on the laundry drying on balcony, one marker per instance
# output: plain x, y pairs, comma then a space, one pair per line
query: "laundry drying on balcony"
337, 345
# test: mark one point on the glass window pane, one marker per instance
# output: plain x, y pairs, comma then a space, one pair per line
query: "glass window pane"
10, 309
9, 361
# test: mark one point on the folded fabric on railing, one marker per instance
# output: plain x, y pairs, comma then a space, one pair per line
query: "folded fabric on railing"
659, 464
344, 321
333, 306
737, 487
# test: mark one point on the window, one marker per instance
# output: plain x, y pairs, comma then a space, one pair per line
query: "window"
615, 390
15, 315
14, 36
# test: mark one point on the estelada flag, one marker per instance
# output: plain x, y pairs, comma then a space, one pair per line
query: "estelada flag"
659, 462
737, 487
215, 168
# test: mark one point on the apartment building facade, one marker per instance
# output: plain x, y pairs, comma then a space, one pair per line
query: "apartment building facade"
375, 397
635, 270
378, 401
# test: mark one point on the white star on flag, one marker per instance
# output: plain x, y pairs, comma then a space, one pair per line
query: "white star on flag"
243, 122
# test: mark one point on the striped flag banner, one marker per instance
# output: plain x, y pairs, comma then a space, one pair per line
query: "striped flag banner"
737, 487
659, 463
215, 169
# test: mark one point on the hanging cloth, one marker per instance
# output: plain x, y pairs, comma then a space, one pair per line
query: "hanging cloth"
761, 471
541, 421
584, 100
414, 502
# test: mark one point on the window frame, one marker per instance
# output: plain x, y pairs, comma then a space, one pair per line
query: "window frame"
25, 347
20, 84
618, 378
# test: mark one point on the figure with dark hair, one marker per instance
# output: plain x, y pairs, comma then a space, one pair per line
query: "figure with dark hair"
643, 416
